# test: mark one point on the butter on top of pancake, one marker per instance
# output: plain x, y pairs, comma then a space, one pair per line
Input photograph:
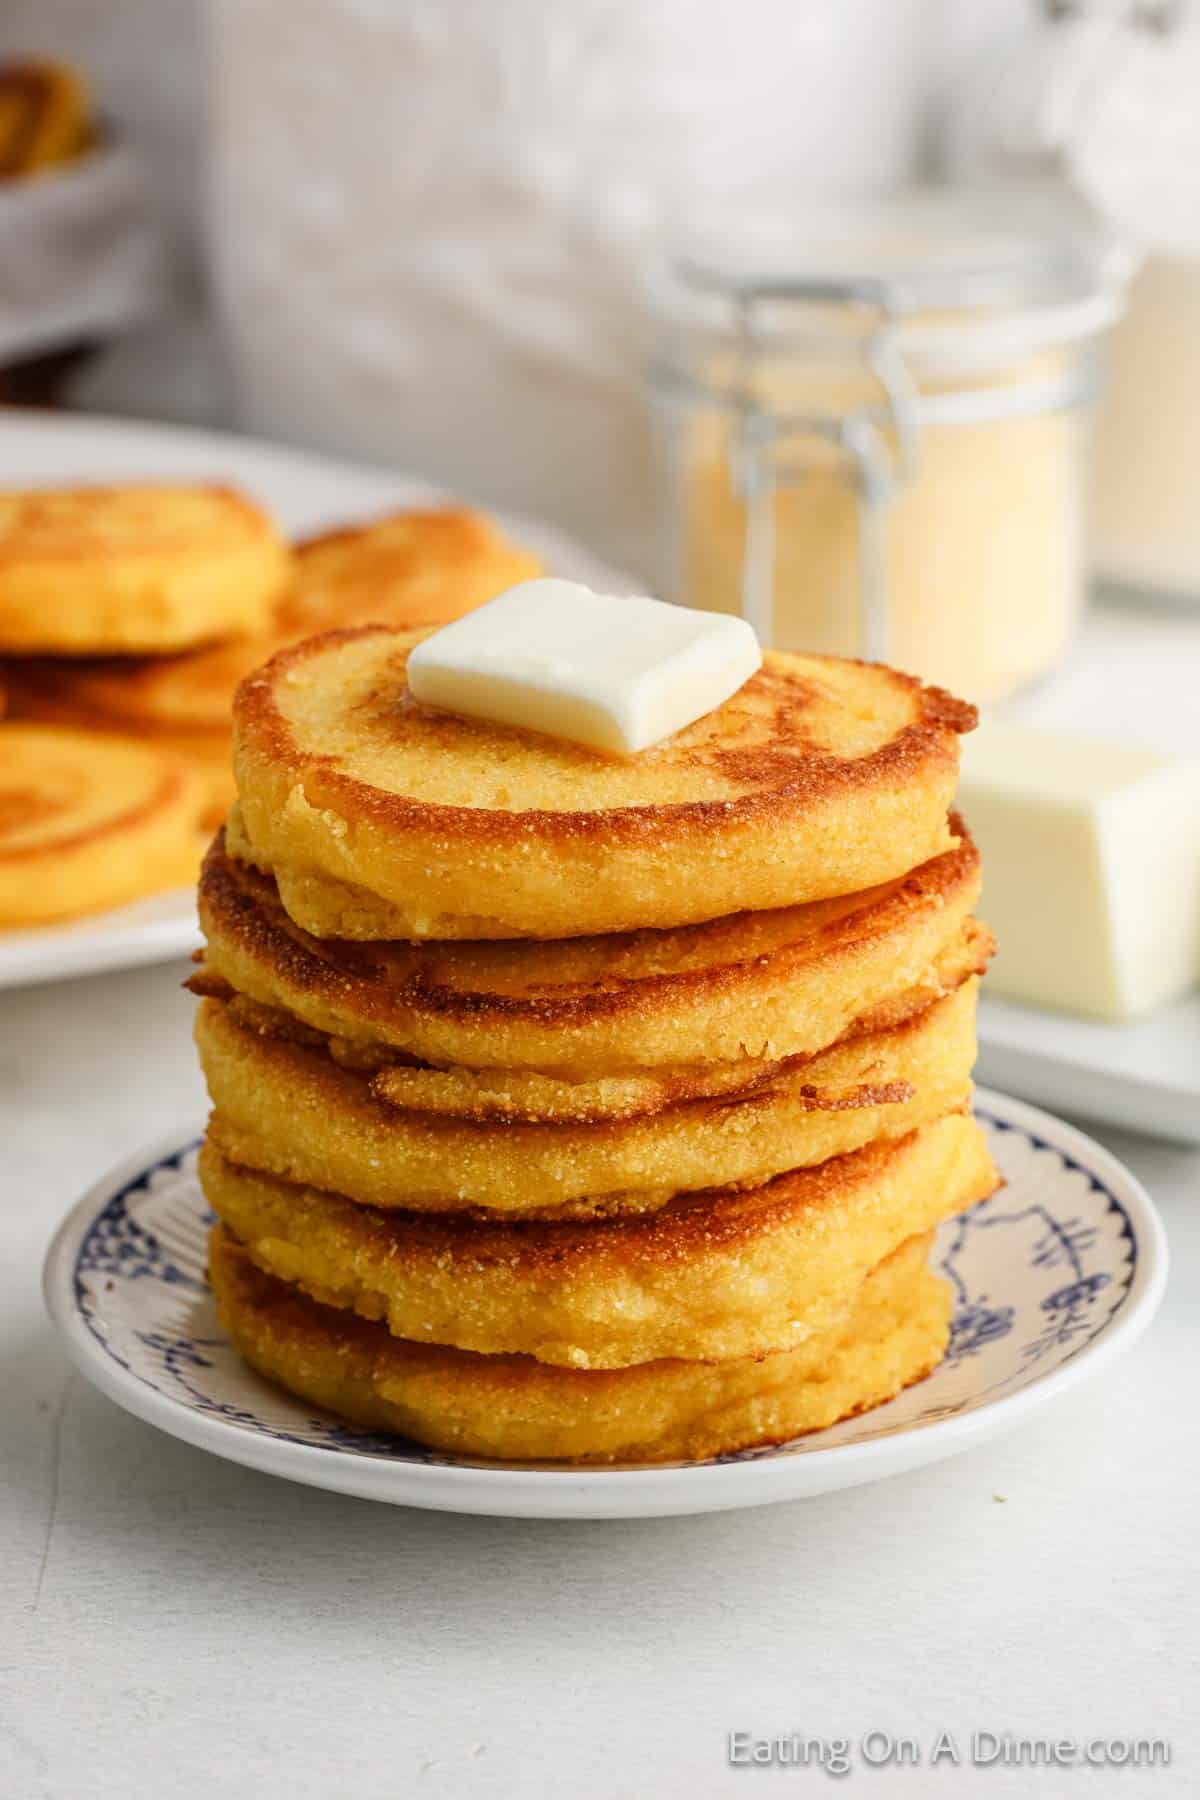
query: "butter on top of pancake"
617, 674
384, 818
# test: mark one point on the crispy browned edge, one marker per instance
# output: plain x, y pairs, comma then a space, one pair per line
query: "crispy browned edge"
233, 890
928, 739
243, 1291
676, 1096
255, 522
686, 1227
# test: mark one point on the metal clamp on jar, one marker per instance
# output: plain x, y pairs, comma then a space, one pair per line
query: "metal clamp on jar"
878, 448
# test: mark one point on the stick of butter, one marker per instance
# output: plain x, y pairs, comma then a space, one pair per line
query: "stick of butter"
614, 674
1091, 868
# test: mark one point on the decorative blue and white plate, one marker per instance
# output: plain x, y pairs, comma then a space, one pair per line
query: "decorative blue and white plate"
1054, 1276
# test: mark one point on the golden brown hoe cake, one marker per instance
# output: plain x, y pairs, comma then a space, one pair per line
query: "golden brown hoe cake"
382, 818
575, 1107
285, 1105
515, 1408
85, 571
713, 1276
409, 568
756, 987
87, 822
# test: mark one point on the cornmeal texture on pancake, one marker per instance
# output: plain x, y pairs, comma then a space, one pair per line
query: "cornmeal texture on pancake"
88, 822
759, 986
408, 569
381, 818
288, 1107
512, 1408
712, 1276
522, 1097
90, 570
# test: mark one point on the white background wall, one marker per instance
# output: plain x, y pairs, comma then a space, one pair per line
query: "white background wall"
146, 61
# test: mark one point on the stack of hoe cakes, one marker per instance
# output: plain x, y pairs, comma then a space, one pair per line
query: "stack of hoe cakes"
161, 670
90, 819
569, 1107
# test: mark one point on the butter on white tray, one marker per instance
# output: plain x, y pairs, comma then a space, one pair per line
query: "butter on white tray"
615, 674
1091, 859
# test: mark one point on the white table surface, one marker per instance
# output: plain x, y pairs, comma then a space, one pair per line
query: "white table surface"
171, 1625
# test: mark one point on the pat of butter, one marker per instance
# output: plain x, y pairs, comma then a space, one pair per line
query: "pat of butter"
614, 674
1091, 868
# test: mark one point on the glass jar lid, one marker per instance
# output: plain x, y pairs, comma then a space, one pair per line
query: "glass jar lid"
964, 279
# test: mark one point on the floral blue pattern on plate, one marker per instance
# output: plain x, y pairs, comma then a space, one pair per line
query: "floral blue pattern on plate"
1056, 1271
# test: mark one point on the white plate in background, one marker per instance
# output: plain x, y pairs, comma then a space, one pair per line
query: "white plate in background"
156, 929
306, 494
